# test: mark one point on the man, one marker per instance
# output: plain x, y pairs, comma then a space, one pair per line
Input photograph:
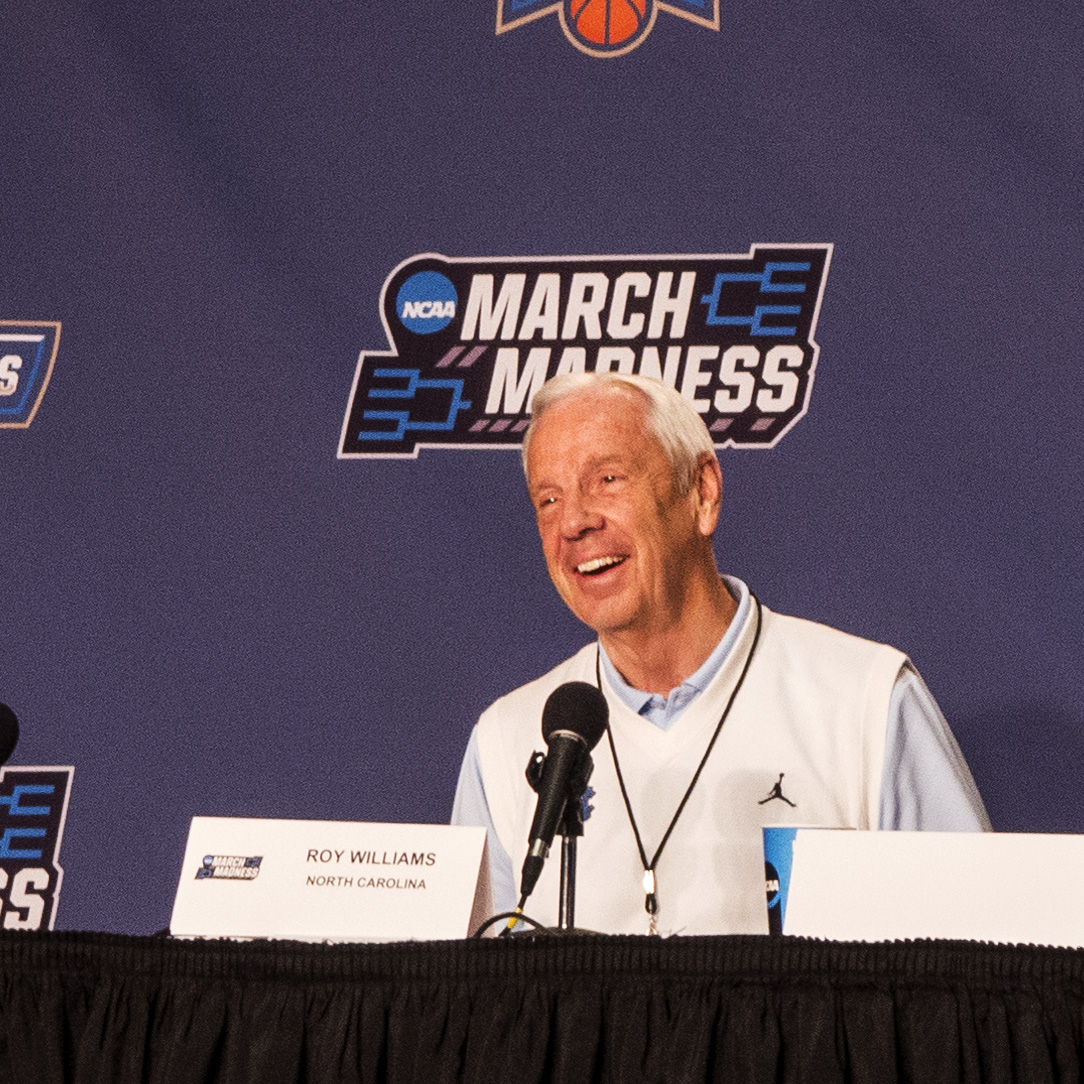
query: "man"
724, 716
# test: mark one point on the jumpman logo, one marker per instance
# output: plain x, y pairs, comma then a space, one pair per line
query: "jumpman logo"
777, 792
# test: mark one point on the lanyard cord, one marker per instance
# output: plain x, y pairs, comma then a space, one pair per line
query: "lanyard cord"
651, 901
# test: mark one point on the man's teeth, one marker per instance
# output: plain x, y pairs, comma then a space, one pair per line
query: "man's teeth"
598, 563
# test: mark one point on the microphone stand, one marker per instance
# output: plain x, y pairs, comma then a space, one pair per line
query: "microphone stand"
571, 829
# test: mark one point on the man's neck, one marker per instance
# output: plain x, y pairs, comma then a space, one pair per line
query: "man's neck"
660, 659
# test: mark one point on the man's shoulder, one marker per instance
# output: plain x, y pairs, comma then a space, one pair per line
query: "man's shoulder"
825, 642
526, 702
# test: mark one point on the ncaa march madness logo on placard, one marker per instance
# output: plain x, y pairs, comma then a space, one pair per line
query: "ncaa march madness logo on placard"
474, 339
27, 353
605, 27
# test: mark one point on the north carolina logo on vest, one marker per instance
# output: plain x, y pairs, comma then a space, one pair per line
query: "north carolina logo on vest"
605, 28
473, 339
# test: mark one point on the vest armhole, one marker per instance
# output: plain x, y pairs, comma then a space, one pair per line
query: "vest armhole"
881, 682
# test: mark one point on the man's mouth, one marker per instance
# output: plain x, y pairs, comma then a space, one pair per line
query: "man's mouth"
600, 564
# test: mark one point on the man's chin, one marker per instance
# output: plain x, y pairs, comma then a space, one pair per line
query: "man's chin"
600, 605
600, 618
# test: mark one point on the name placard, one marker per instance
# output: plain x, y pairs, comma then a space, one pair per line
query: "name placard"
881, 886
330, 880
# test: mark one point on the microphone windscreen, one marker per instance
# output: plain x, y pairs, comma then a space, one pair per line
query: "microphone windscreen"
579, 707
9, 732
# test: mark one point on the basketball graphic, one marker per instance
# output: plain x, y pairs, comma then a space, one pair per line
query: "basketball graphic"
605, 28
608, 26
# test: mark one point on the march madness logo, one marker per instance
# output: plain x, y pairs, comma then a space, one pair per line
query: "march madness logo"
33, 808
230, 867
474, 339
27, 353
605, 27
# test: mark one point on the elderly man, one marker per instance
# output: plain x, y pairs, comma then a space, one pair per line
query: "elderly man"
724, 716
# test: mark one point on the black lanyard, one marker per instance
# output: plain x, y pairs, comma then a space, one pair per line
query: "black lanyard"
651, 900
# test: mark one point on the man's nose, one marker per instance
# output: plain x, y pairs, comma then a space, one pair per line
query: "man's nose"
580, 515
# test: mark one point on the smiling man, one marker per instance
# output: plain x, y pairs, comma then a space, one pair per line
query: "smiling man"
724, 716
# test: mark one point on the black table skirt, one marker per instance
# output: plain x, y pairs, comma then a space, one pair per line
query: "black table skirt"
105, 1008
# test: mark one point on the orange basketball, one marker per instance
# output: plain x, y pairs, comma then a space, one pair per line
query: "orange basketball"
608, 22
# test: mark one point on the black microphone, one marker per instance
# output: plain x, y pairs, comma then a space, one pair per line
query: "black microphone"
9, 732
573, 720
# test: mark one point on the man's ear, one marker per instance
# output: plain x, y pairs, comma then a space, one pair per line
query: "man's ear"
708, 486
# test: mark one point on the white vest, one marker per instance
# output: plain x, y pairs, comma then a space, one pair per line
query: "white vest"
814, 707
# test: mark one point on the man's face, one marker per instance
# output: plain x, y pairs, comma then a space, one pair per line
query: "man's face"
618, 536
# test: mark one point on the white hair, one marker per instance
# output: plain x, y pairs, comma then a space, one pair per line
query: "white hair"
671, 417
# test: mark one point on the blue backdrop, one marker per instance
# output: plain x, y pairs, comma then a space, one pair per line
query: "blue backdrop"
205, 611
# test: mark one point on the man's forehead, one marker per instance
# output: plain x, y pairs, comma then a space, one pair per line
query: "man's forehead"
589, 430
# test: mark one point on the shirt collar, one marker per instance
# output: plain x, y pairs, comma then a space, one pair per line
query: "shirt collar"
664, 711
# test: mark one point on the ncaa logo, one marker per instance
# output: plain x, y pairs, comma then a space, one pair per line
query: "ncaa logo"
426, 302
27, 353
605, 28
